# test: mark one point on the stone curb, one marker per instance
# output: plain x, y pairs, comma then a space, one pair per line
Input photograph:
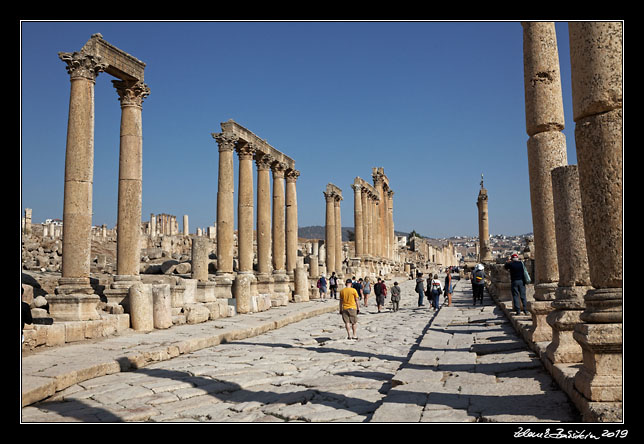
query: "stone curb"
48, 372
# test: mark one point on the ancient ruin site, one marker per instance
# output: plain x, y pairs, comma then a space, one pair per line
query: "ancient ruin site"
158, 320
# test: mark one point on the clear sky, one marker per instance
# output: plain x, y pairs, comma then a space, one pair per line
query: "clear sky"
434, 103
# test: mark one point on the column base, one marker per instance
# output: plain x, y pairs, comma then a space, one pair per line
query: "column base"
600, 377
73, 307
223, 285
118, 293
242, 292
205, 291
281, 290
540, 330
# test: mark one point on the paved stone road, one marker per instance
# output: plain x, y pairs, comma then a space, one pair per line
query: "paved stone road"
459, 364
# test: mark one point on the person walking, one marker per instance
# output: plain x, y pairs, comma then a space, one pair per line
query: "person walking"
333, 285
380, 289
478, 283
395, 296
517, 283
358, 286
436, 289
420, 288
448, 286
349, 309
366, 290
322, 286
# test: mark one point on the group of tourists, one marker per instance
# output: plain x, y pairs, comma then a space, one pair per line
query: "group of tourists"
434, 289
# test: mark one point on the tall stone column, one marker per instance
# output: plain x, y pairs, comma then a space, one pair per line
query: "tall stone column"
128, 248
186, 229
77, 204
329, 239
263, 162
225, 203
291, 220
364, 195
281, 291
390, 224
484, 225
379, 243
574, 277
546, 151
596, 66
245, 152
357, 220
338, 235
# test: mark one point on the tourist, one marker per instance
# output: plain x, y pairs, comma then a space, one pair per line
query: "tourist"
358, 286
322, 286
448, 286
478, 283
517, 284
349, 309
25, 315
333, 285
366, 290
380, 289
420, 289
436, 289
395, 296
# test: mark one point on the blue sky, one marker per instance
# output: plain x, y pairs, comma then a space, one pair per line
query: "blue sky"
434, 103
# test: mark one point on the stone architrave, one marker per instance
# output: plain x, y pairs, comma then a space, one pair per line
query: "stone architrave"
574, 277
546, 151
596, 67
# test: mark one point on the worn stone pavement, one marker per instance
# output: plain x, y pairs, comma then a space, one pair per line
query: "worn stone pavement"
462, 363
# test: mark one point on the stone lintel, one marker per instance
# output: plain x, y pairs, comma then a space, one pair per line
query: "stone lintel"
120, 64
261, 145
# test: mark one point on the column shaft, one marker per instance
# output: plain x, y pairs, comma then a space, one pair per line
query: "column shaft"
225, 203
338, 236
357, 220
245, 208
329, 239
291, 220
278, 218
263, 214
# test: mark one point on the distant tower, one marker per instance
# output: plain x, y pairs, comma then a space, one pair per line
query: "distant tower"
484, 228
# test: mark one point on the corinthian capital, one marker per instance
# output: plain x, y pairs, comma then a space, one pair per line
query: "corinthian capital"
246, 150
81, 65
131, 93
264, 161
292, 175
226, 141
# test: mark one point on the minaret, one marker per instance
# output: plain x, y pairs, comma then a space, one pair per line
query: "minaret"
484, 228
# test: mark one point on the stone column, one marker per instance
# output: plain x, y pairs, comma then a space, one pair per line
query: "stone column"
74, 294
263, 162
27, 227
225, 203
245, 152
390, 225
546, 151
357, 219
186, 229
329, 240
338, 236
199, 266
153, 225
291, 220
364, 195
484, 225
281, 291
574, 277
379, 244
128, 249
596, 66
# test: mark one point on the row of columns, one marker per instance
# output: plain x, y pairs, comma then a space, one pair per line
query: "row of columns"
74, 283
283, 248
577, 209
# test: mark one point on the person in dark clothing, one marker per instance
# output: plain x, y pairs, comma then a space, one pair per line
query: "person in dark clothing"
420, 289
380, 289
517, 284
478, 283
25, 316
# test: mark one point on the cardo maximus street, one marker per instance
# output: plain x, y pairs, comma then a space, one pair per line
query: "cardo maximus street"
149, 322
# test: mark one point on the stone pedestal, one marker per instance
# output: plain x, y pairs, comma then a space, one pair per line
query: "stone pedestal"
242, 292
141, 307
223, 286
301, 285
73, 307
161, 306
281, 290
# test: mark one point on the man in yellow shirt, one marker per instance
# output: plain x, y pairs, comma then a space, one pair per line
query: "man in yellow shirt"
349, 308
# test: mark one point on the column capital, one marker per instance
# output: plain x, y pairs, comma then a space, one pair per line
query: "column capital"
131, 93
357, 188
80, 65
245, 150
292, 175
329, 195
378, 178
278, 169
263, 161
226, 141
